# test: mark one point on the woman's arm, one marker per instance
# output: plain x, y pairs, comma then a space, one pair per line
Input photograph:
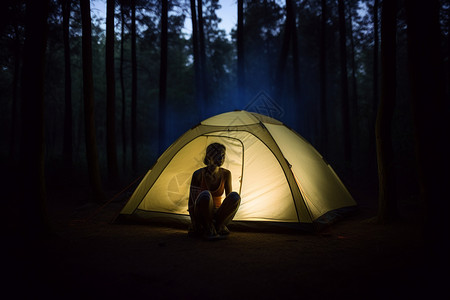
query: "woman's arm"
228, 182
194, 189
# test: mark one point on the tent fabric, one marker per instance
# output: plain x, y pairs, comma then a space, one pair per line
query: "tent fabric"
280, 176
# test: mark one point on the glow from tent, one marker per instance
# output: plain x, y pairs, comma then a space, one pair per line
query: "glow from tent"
256, 156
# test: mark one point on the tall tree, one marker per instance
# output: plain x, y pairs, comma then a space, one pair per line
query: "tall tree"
88, 95
431, 122
323, 80
375, 54
240, 52
344, 85
111, 146
283, 57
448, 53
202, 53
290, 6
375, 85
122, 85
163, 75
354, 97
33, 197
68, 136
195, 48
15, 92
387, 205
134, 158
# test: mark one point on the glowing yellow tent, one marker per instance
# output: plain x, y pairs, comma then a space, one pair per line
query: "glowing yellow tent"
281, 178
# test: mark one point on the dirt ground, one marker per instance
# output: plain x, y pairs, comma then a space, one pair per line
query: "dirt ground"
92, 258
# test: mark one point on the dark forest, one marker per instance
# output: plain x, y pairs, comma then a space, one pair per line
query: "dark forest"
89, 103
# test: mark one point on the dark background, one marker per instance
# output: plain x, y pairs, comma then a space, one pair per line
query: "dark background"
324, 68
297, 103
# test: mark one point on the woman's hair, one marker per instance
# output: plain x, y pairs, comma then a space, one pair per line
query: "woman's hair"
212, 150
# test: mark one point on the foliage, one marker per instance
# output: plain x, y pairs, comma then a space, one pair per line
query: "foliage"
263, 30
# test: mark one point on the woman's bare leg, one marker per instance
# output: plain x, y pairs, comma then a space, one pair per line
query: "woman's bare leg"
204, 212
227, 210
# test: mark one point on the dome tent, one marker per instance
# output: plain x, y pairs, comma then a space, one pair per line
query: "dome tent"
281, 178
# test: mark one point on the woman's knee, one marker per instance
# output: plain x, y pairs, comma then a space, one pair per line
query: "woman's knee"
234, 198
204, 199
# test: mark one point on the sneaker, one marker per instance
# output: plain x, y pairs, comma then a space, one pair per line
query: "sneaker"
223, 231
211, 235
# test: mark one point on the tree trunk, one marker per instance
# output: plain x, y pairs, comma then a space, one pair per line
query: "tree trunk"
431, 124
163, 77
354, 97
344, 86
448, 57
353, 63
376, 95
15, 95
201, 32
88, 95
375, 55
111, 144
387, 202
68, 136
33, 196
134, 158
195, 48
290, 5
240, 52
122, 88
323, 82
283, 56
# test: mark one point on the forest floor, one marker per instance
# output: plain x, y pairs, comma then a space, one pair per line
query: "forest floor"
90, 257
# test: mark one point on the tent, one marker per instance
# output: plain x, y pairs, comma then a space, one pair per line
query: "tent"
281, 178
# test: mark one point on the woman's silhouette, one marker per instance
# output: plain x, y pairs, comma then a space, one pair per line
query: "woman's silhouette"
209, 214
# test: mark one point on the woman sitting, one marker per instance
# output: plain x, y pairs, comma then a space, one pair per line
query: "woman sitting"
209, 214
